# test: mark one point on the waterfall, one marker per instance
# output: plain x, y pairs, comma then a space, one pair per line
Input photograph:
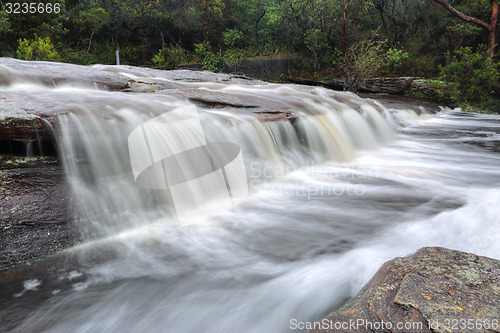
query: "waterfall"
325, 126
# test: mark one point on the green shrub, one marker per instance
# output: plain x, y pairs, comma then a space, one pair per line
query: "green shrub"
336, 60
38, 49
4, 22
472, 77
210, 61
170, 57
420, 66
201, 50
362, 60
394, 61
75, 56
232, 38
232, 58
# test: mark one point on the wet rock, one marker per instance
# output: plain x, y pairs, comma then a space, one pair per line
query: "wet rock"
400, 102
30, 118
35, 214
381, 85
433, 290
391, 85
17, 124
56, 74
150, 85
238, 103
431, 88
26, 118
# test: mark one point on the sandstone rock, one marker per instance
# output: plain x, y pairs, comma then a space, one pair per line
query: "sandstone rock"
433, 290
35, 214
17, 124
27, 117
431, 88
264, 109
389, 85
53, 74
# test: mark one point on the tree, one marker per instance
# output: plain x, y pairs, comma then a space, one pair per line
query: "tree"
400, 18
490, 27
4, 22
314, 23
471, 77
93, 19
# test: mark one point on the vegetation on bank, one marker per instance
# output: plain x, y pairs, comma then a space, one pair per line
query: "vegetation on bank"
451, 41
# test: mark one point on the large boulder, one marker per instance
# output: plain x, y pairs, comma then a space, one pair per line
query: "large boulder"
433, 290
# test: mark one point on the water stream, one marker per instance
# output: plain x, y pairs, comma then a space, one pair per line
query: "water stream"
332, 195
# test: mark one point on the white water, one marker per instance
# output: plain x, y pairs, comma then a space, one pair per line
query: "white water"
345, 189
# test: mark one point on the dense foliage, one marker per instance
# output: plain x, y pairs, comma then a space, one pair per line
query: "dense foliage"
471, 77
414, 37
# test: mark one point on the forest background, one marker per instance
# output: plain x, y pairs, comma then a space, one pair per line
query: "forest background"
447, 42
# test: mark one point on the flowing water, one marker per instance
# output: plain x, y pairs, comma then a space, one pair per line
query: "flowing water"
332, 195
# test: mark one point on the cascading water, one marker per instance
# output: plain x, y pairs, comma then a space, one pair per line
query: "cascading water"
97, 163
333, 193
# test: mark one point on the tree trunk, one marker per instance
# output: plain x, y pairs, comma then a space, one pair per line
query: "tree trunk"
491, 27
90, 40
344, 28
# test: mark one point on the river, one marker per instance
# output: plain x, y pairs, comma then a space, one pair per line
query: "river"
347, 186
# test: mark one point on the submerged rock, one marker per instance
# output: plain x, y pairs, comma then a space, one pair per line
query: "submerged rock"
433, 290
